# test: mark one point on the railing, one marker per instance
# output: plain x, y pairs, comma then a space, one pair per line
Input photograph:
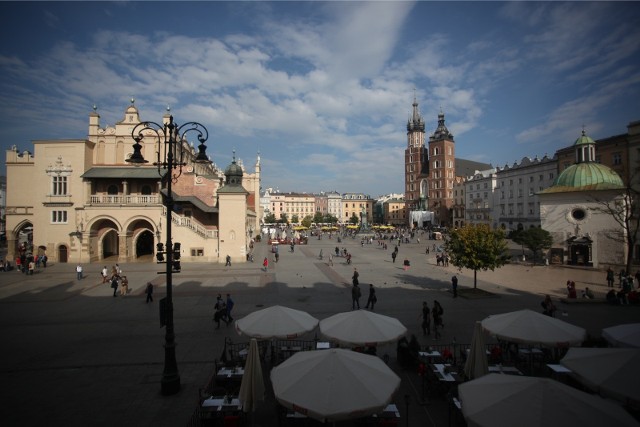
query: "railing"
124, 199
192, 224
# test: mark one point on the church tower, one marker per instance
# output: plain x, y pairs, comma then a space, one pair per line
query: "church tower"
416, 163
442, 172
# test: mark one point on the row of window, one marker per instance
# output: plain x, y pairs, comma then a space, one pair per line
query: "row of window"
531, 179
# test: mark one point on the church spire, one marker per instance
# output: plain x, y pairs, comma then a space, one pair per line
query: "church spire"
416, 122
441, 131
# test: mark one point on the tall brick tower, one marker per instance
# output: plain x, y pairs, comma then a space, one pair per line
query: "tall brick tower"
416, 163
442, 172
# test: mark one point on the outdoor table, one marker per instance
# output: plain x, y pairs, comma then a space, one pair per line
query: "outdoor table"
559, 369
507, 370
218, 404
441, 374
559, 372
428, 355
390, 411
229, 375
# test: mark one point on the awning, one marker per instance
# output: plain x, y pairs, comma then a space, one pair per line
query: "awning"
123, 172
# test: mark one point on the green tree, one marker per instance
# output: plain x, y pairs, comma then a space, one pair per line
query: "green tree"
307, 220
330, 219
318, 218
284, 219
354, 219
294, 218
535, 239
477, 247
270, 219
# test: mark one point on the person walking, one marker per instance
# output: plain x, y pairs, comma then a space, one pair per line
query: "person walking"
277, 255
394, 254
220, 310
79, 272
354, 278
320, 256
426, 319
105, 274
331, 260
229, 305
610, 277
372, 297
228, 263
124, 286
114, 284
355, 296
265, 264
454, 285
149, 292
32, 267
437, 313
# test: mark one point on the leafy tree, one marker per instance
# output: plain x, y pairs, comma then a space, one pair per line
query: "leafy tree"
330, 219
284, 219
318, 218
535, 239
307, 220
294, 218
354, 219
270, 218
477, 247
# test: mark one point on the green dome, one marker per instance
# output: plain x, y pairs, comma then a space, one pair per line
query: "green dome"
584, 139
586, 177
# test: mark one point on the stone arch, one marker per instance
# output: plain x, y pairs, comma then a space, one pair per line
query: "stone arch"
141, 235
23, 237
104, 238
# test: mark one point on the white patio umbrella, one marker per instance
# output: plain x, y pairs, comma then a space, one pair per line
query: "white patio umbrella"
530, 327
497, 400
361, 327
627, 335
609, 371
276, 322
477, 364
252, 386
334, 384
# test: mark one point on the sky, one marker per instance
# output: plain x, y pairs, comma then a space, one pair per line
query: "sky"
323, 90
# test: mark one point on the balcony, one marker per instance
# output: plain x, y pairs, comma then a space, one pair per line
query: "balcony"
122, 199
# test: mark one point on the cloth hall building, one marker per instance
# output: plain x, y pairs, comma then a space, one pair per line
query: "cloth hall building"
79, 201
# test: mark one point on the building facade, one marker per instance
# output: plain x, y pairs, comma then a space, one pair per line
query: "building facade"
416, 164
442, 172
85, 203
480, 192
459, 200
358, 204
517, 205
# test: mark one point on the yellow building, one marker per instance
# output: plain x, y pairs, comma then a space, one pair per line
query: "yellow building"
359, 205
395, 212
80, 201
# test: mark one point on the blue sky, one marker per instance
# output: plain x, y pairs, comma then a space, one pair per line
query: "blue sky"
323, 90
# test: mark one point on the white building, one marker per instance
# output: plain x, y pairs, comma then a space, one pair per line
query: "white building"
571, 210
517, 204
479, 200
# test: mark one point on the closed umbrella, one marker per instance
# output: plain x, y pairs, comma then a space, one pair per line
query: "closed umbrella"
627, 335
509, 400
361, 327
335, 384
252, 386
530, 327
477, 364
609, 371
276, 322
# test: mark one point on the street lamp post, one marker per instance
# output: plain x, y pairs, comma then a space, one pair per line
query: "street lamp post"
171, 152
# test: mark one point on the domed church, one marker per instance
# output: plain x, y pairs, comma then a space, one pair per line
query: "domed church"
577, 211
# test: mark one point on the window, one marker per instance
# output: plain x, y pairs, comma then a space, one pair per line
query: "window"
551, 175
197, 252
59, 186
486, 185
502, 194
540, 178
617, 158
510, 182
59, 217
